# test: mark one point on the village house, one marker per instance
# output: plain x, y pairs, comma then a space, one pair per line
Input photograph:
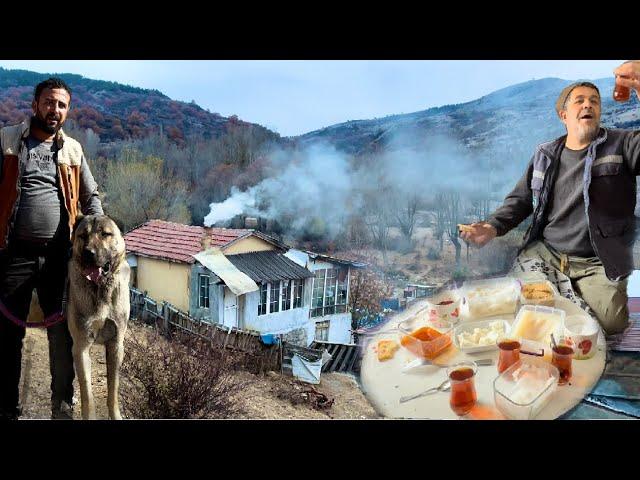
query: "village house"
243, 278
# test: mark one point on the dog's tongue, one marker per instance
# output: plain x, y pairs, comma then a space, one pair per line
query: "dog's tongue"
93, 274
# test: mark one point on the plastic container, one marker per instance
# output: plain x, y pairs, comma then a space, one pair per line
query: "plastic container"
522, 390
536, 323
548, 301
448, 311
582, 332
426, 338
470, 328
491, 297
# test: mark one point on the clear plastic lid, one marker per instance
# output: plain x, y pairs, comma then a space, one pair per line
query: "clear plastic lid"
537, 323
490, 297
525, 387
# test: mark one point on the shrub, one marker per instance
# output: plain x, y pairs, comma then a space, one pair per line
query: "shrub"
403, 245
180, 378
460, 273
433, 254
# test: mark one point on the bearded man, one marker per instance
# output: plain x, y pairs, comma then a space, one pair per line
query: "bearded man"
44, 181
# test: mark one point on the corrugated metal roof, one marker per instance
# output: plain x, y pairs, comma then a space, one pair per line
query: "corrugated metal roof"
331, 259
268, 266
176, 242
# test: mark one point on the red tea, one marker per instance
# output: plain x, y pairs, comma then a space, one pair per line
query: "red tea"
509, 354
463, 391
561, 358
621, 93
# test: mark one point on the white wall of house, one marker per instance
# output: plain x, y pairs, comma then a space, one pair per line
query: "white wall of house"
311, 331
278, 322
339, 324
339, 328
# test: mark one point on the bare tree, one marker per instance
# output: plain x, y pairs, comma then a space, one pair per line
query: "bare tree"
406, 213
378, 217
439, 210
367, 290
452, 205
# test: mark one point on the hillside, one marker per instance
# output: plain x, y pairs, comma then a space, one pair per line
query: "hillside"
520, 114
115, 111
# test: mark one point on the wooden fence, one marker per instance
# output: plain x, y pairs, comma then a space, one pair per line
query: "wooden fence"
168, 319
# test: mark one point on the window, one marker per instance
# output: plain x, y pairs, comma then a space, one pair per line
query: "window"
341, 300
274, 303
329, 292
298, 293
286, 295
322, 331
203, 297
283, 296
318, 293
262, 306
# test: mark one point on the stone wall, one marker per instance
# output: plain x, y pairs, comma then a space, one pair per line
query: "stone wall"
296, 337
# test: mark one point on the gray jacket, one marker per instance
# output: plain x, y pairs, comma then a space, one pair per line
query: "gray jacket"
609, 189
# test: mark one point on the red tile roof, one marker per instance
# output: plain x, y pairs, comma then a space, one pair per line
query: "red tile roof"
174, 241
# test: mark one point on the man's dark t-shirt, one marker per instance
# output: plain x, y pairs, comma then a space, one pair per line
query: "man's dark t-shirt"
41, 211
567, 230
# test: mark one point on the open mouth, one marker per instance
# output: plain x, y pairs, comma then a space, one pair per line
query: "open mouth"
96, 274
586, 117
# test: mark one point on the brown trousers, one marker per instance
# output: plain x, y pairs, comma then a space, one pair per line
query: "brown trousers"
607, 299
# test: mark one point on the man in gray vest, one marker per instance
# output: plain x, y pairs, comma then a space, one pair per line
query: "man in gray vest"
581, 190
44, 182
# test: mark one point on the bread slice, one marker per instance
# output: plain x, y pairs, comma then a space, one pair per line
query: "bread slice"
386, 349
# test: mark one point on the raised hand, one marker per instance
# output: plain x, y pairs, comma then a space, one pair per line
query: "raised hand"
628, 75
479, 233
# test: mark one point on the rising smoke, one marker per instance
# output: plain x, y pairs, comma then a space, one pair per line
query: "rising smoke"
319, 187
314, 186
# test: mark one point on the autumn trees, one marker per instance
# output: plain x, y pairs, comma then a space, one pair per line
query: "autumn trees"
137, 190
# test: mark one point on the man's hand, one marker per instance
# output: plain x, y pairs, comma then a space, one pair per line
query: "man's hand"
628, 75
479, 234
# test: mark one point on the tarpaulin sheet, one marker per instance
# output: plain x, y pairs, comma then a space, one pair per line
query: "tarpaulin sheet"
305, 370
238, 282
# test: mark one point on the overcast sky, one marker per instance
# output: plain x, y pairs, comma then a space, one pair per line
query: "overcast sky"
295, 97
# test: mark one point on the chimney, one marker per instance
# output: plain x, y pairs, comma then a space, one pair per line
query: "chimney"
205, 242
251, 222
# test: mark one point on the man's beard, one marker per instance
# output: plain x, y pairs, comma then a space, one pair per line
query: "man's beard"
42, 125
587, 133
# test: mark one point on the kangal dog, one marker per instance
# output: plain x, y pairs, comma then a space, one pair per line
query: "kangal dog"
98, 309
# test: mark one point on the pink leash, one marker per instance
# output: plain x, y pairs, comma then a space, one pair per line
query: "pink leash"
47, 322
